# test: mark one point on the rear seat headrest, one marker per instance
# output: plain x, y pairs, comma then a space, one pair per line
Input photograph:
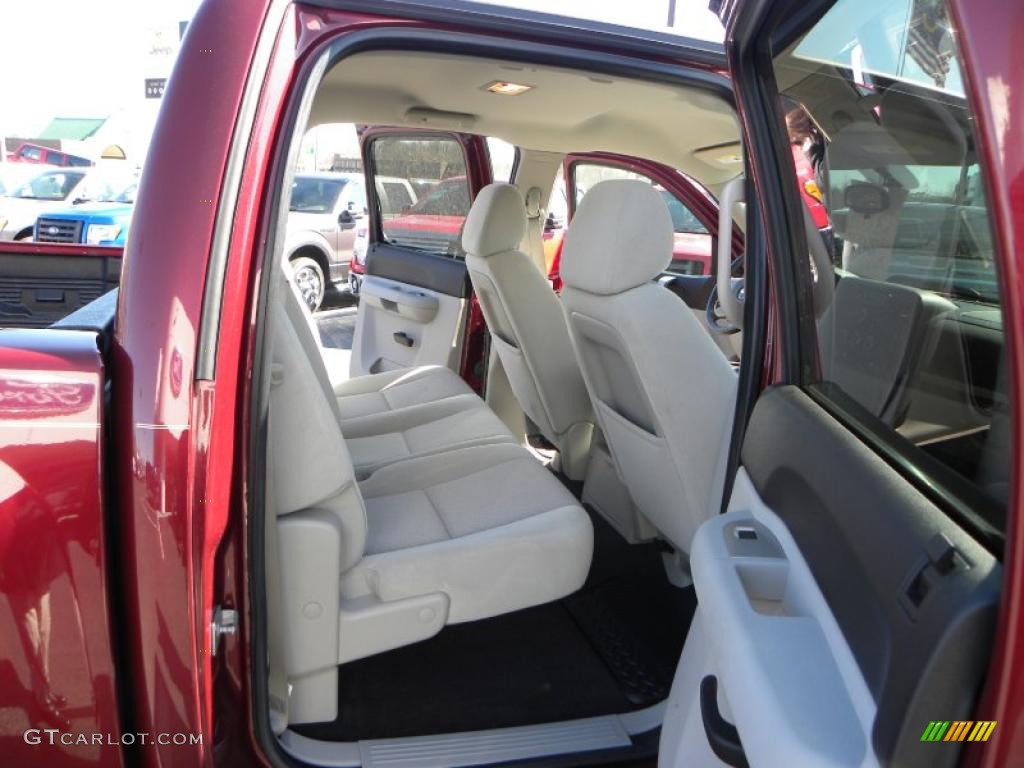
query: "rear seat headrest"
496, 223
620, 237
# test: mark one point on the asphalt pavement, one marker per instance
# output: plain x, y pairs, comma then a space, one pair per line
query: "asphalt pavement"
336, 319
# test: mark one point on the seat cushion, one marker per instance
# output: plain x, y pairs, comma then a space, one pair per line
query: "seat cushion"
418, 430
402, 414
384, 392
488, 526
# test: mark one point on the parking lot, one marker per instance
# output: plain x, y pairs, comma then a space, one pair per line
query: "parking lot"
337, 320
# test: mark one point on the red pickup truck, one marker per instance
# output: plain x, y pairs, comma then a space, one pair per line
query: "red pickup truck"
790, 530
35, 153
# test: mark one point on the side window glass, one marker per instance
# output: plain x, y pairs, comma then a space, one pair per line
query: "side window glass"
396, 196
503, 158
423, 192
913, 331
313, 193
352, 199
692, 250
359, 197
328, 174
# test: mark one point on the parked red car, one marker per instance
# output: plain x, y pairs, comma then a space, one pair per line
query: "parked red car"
36, 153
435, 220
791, 531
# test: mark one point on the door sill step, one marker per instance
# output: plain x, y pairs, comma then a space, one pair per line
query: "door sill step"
499, 745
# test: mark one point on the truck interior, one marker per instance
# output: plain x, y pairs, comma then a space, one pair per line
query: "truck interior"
470, 573
560, 541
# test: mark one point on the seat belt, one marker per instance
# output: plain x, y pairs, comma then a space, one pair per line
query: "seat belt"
535, 229
277, 677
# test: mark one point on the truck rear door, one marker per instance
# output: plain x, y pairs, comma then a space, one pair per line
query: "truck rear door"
415, 297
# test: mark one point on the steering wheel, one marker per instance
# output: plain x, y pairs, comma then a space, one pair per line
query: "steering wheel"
713, 315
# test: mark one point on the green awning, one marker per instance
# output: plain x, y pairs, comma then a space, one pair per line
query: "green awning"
75, 128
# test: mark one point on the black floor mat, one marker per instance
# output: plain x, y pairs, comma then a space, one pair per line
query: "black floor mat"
611, 647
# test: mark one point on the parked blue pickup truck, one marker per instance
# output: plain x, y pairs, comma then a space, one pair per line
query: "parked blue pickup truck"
98, 223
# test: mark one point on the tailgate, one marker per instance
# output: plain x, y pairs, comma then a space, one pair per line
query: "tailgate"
42, 282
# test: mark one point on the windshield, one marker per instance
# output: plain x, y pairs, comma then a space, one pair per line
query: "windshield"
53, 185
314, 195
126, 195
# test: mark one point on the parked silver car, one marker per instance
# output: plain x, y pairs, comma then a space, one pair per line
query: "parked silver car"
324, 210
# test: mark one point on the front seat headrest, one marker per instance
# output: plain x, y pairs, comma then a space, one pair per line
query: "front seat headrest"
496, 223
620, 237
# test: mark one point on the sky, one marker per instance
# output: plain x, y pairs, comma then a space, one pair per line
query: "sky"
93, 63
89, 64
692, 17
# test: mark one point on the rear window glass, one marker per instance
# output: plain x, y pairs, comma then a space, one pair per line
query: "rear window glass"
503, 158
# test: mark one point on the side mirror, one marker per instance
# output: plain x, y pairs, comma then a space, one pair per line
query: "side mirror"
345, 219
79, 200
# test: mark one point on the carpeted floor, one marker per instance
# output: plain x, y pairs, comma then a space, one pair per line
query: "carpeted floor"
611, 647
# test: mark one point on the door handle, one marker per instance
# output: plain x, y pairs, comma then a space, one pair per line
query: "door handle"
403, 338
723, 738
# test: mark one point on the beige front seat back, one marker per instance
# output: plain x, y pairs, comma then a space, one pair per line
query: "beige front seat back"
663, 393
527, 325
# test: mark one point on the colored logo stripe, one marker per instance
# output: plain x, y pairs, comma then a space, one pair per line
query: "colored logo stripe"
982, 731
958, 730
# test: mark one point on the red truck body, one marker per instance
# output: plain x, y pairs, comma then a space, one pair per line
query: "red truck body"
125, 523
55, 548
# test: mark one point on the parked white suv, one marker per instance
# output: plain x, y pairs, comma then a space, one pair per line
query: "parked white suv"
52, 189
